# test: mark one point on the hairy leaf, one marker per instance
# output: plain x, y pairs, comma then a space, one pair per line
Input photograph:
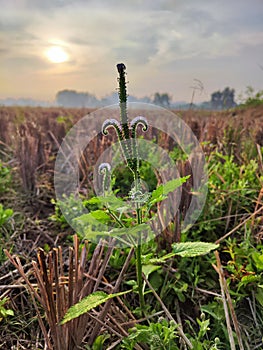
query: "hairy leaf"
88, 303
191, 249
163, 190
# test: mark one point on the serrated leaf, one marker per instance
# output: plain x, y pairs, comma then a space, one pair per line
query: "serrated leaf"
88, 303
163, 190
191, 249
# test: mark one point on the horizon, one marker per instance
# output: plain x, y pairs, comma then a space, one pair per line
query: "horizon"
55, 45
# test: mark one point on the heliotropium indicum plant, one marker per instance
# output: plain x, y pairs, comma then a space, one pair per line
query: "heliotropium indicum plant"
130, 221
126, 133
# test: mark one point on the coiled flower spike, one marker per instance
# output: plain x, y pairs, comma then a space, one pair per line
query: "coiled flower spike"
105, 171
133, 125
138, 121
112, 123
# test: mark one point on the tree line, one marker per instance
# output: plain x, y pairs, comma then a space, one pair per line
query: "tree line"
224, 99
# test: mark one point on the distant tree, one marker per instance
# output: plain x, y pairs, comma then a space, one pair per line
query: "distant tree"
252, 98
223, 99
72, 98
162, 99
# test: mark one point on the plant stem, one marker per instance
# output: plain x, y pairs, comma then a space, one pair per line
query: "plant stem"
139, 274
131, 155
138, 253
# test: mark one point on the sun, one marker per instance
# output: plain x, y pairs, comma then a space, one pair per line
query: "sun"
57, 54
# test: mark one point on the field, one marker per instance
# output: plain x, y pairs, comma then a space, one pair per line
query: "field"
212, 301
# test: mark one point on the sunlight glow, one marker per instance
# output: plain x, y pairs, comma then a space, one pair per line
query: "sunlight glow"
57, 54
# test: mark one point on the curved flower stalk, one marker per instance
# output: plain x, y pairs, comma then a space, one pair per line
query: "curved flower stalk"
137, 121
112, 123
134, 124
105, 171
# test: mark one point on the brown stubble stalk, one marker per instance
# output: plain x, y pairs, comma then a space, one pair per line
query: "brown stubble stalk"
34, 294
115, 289
57, 291
228, 306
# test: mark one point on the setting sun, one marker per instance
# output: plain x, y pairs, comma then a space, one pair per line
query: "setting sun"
57, 54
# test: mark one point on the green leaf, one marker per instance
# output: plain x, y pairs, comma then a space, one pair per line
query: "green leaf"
148, 269
93, 200
131, 231
86, 304
5, 214
93, 218
259, 296
191, 249
163, 190
258, 260
162, 259
100, 215
111, 201
245, 280
100, 340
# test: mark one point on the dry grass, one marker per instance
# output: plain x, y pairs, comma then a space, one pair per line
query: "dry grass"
55, 283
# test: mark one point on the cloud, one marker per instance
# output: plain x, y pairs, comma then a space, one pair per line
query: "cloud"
156, 38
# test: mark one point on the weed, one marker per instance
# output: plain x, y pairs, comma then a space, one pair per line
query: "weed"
133, 227
4, 312
5, 178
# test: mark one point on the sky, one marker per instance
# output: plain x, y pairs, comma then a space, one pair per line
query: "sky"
50, 45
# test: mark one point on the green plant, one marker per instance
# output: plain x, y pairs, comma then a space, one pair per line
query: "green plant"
67, 209
157, 336
66, 120
5, 215
99, 342
4, 312
232, 192
164, 335
6, 227
129, 222
252, 98
245, 268
5, 177
201, 337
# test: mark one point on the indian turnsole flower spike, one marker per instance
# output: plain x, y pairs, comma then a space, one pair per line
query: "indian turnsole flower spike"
126, 131
105, 171
133, 126
112, 123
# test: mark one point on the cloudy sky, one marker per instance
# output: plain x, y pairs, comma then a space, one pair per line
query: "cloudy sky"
50, 45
